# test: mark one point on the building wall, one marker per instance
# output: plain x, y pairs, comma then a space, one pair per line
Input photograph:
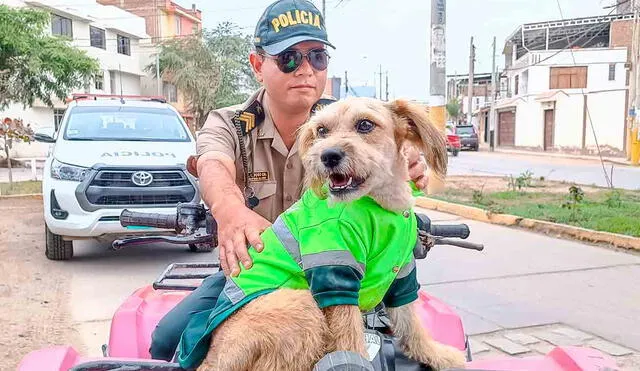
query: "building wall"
126, 70
605, 100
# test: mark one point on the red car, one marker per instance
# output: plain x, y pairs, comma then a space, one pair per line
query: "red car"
453, 142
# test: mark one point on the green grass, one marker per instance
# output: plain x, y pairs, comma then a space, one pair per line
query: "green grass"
21, 188
617, 212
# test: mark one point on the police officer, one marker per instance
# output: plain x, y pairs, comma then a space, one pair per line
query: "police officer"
247, 156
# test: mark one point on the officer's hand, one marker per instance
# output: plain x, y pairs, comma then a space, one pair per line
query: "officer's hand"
238, 226
417, 168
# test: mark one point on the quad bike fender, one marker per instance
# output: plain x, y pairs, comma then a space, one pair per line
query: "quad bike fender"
440, 320
64, 358
136, 319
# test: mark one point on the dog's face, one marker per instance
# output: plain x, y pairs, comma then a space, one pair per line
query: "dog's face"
356, 146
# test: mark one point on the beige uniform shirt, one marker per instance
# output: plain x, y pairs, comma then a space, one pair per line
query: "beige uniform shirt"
275, 173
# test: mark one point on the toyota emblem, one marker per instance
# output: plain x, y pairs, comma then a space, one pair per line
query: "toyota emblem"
142, 178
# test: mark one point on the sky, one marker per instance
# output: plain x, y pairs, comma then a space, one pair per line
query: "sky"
394, 34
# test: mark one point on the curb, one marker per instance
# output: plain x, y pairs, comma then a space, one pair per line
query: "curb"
578, 233
29, 196
612, 160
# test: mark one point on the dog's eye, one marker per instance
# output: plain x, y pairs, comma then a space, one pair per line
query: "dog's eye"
322, 131
364, 126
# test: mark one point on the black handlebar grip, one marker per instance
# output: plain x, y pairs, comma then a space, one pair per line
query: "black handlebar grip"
163, 221
450, 230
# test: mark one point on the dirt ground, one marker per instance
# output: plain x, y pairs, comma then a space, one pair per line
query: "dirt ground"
33, 294
488, 184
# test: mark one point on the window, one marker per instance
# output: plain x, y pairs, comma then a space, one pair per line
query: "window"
99, 81
516, 83
125, 123
170, 92
97, 37
112, 82
61, 26
58, 114
124, 45
612, 72
178, 25
568, 78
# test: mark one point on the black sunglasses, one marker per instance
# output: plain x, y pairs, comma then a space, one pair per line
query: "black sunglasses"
290, 60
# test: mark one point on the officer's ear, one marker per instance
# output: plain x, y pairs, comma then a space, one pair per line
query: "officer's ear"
256, 60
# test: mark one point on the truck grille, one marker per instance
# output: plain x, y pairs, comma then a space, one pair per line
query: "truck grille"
114, 187
115, 178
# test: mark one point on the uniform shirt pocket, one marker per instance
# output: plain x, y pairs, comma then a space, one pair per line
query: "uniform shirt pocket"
266, 193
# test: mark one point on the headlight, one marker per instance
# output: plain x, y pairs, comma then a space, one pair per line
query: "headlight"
63, 171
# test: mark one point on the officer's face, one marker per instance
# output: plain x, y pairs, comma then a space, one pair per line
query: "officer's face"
296, 90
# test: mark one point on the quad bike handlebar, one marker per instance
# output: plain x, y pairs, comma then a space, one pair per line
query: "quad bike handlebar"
194, 224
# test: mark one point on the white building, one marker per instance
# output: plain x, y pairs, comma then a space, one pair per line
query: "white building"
109, 34
564, 99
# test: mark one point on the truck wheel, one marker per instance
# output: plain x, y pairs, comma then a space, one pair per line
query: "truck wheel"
200, 247
56, 248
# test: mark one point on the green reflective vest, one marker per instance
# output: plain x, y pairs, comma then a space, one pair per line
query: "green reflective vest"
354, 253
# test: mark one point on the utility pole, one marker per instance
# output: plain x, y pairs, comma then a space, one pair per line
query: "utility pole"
633, 132
346, 84
380, 82
158, 79
437, 78
494, 95
386, 89
472, 59
324, 10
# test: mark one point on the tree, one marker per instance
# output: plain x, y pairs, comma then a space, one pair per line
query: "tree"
13, 130
232, 49
210, 69
453, 108
192, 68
34, 65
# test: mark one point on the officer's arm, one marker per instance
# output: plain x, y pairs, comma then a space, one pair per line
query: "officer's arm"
217, 174
238, 226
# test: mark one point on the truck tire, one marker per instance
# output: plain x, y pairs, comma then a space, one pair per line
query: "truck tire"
56, 248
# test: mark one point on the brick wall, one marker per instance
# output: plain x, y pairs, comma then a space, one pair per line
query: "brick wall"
621, 33
142, 8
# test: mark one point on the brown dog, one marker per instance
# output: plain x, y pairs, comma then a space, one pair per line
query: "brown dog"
286, 329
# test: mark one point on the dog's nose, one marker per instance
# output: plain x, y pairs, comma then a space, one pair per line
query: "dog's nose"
331, 157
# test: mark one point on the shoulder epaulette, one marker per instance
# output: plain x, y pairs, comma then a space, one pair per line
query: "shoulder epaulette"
321, 103
251, 117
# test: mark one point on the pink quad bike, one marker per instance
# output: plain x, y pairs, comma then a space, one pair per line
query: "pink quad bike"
135, 320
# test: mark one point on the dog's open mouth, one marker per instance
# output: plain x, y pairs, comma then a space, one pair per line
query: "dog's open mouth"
339, 182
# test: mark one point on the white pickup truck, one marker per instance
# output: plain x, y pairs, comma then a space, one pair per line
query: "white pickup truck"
108, 155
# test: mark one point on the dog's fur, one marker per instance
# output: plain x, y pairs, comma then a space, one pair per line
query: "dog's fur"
285, 330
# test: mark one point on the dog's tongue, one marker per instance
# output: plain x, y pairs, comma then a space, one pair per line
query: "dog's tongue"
338, 180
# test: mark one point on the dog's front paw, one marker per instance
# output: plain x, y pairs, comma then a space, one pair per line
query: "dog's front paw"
445, 356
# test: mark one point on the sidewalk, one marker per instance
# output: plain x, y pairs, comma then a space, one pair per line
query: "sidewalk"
526, 292
615, 160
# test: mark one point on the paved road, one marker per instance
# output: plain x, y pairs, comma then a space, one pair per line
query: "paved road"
585, 172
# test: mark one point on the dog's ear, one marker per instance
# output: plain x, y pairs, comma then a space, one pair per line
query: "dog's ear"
413, 125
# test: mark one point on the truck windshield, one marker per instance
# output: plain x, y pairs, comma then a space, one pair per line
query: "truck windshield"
125, 124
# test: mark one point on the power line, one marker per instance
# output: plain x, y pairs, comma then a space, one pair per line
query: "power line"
595, 137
